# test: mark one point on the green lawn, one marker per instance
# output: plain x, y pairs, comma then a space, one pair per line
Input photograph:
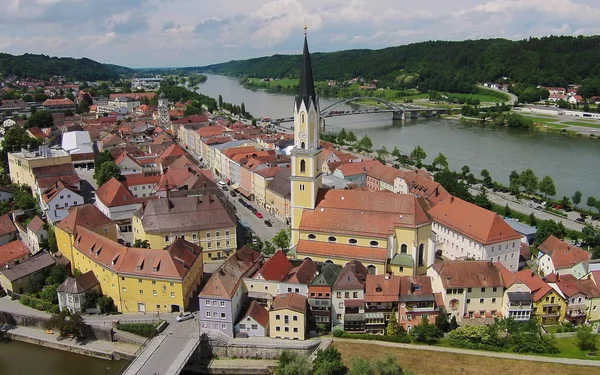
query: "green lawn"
595, 125
569, 349
552, 329
540, 119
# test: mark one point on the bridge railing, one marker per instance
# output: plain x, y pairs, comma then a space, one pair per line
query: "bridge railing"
137, 353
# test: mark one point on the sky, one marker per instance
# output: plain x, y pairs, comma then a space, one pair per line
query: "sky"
169, 33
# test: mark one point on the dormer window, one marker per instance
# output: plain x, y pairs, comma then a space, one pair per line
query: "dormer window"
311, 236
332, 239
353, 241
374, 243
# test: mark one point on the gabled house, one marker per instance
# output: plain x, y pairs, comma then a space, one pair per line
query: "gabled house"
556, 256
12, 253
382, 294
287, 317
417, 301
518, 302
223, 297
19, 278
583, 298
255, 323
58, 199
36, 234
549, 305
320, 292
347, 298
8, 231
71, 293
128, 164
117, 203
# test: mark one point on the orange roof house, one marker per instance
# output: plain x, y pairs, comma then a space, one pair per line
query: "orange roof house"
559, 257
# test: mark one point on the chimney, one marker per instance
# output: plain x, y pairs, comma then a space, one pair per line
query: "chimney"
412, 287
387, 277
451, 199
211, 198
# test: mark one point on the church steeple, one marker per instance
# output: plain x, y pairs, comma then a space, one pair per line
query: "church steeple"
307, 84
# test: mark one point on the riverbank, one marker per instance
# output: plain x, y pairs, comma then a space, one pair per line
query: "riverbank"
93, 348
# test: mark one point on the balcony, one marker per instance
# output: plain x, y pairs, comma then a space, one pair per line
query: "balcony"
519, 306
381, 308
411, 309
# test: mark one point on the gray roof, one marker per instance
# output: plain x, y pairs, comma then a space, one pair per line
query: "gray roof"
335, 182
519, 296
281, 184
186, 214
82, 284
328, 275
31, 265
524, 229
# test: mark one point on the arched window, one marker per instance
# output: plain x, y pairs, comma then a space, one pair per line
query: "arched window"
372, 270
302, 166
403, 249
302, 145
311, 237
352, 241
302, 117
374, 243
332, 239
421, 255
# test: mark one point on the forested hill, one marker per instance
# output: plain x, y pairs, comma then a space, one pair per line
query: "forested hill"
444, 66
43, 67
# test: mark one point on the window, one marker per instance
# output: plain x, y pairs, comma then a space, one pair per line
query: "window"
289, 290
223, 326
227, 233
354, 294
403, 249
468, 300
421, 255
338, 316
286, 329
296, 290
207, 303
493, 300
338, 294
468, 290
254, 326
153, 282
242, 326
346, 294
141, 291
302, 166
208, 312
62, 197
172, 294
194, 236
222, 315
166, 238
278, 317
139, 281
218, 244
222, 303
295, 318
332, 239
482, 313
171, 284
374, 243
301, 187
218, 234
481, 300
209, 245
495, 289
154, 292
352, 241
482, 290
207, 234
295, 330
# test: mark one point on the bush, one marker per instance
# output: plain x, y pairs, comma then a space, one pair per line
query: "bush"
141, 329
586, 340
2, 293
106, 305
338, 333
425, 333
401, 338
35, 303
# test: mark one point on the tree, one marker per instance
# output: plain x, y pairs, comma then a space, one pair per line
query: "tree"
48, 293
440, 160
243, 109
268, 248
586, 340
220, 102
106, 172
23, 199
597, 205
392, 329
591, 202
465, 170
441, 322
365, 143
67, 324
546, 228
106, 305
351, 137
532, 220
145, 244
291, 363
342, 135
361, 366
577, 196
58, 274
482, 199
529, 181
382, 152
91, 299
507, 211
425, 333
453, 324
590, 235
15, 140
487, 179
396, 152
328, 362
565, 201
418, 154
450, 180
547, 187
282, 239
41, 119
388, 366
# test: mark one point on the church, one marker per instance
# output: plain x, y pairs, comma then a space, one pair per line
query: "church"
389, 233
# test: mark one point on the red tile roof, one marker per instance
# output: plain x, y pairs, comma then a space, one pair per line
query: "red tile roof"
539, 288
352, 169
382, 288
291, 301
472, 221
469, 274
141, 179
276, 268
87, 216
302, 274
12, 251
562, 254
258, 313
114, 194
58, 102
325, 249
352, 276
224, 282
6, 225
346, 211
36, 224
125, 155
133, 95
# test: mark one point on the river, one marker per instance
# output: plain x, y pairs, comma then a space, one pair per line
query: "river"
19, 358
572, 162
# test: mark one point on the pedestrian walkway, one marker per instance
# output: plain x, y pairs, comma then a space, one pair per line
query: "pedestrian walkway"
519, 357
98, 348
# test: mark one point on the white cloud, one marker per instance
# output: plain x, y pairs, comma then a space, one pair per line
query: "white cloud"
168, 32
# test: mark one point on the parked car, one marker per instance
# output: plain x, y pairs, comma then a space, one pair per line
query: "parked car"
580, 220
539, 208
268, 223
254, 210
248, 206
233, 194
258, 215
185, 316
241, 201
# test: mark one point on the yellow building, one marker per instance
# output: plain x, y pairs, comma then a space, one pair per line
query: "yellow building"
200, 220
287, 317
261, 180
18, 278
387, 232
549, 306
21, 164
278, 195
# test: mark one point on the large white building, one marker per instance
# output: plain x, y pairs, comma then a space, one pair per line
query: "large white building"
462, 230
57, 200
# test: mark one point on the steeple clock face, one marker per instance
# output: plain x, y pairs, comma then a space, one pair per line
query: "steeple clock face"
302, 135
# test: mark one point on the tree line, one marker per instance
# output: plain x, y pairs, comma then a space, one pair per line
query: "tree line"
444, 65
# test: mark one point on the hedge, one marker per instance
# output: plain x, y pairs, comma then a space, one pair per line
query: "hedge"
402, 338
141, 329
36, 303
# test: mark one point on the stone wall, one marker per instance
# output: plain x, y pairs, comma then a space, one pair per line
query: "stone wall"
254, 350
91, 332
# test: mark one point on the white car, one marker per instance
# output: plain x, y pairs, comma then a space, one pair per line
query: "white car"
185, 316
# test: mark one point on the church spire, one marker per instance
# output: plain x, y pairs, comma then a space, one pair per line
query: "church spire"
307, 84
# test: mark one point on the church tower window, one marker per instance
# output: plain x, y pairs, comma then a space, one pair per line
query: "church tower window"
303, 166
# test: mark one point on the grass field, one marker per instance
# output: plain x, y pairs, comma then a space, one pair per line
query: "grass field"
540, 119
569, 349
595, 125
424, 362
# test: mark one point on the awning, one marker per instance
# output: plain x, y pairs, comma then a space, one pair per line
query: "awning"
374, 316
354, 303
245, 193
